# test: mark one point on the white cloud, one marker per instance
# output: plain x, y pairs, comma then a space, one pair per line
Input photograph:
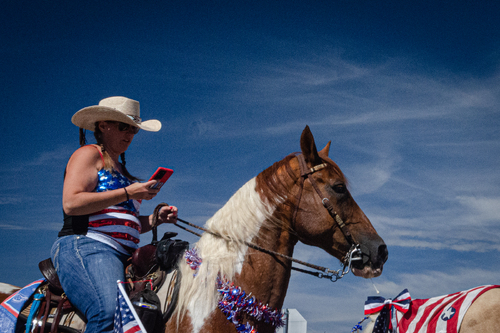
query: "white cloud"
483, 210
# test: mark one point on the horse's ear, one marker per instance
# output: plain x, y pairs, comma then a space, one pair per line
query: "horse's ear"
325, 151
308, 147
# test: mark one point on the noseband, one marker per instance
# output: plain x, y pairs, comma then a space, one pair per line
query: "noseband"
305, 173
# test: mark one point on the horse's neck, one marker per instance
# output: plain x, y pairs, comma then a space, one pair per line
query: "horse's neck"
265, 275
250, 217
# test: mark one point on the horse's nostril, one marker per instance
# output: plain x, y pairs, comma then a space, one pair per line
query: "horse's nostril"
383, 253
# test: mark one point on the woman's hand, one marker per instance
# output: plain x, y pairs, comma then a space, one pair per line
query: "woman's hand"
167, 214
142, 191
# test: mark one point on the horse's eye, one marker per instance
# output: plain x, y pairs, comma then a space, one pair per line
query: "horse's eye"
339, 188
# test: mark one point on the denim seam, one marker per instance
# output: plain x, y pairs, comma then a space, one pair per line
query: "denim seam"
56, 255
78, 254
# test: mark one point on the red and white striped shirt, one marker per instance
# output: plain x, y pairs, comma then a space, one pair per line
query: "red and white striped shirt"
119, 225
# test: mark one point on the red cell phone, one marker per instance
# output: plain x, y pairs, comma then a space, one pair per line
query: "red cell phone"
162, 175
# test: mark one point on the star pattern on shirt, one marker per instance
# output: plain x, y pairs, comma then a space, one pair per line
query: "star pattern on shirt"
112, 180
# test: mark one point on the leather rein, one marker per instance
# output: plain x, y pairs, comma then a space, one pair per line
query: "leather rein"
351, 255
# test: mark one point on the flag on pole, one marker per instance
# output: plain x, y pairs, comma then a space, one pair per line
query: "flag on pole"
126, 319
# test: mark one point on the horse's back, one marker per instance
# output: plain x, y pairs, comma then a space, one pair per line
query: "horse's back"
6, 290
483, 316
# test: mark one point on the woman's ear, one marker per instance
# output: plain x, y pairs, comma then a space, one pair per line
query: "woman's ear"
103, 126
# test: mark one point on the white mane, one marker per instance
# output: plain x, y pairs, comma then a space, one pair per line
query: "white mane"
238, 221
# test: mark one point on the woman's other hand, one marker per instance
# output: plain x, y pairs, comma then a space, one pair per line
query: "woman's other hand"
142, 191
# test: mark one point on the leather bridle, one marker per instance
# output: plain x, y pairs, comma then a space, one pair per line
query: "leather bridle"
305, 173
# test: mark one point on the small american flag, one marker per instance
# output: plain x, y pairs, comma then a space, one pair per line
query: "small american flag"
126, 319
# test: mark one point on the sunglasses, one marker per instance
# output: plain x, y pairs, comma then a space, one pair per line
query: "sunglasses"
123, 127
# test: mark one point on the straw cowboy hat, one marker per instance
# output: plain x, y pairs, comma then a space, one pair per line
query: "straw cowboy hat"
115, 108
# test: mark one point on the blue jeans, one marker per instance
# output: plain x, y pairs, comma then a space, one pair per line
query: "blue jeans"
88, 271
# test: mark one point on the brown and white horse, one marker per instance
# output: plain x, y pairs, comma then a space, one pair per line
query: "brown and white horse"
282, 205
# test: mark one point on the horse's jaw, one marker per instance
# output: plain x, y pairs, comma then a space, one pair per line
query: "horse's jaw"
367, 272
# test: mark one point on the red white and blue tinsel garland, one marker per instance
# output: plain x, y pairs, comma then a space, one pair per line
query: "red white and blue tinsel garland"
193, 259
235, 302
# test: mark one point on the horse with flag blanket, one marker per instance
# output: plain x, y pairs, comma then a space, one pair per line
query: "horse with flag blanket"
476, 310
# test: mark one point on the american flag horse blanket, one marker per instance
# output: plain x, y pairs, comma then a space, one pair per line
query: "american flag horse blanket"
470, 311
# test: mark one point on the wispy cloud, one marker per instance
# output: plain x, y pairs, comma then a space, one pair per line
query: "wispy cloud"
336, 92
12, 226
57, 155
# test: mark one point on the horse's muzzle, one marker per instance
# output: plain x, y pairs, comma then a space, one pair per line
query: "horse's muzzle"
372, 257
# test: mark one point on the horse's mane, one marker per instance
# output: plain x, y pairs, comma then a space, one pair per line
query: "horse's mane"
237, 222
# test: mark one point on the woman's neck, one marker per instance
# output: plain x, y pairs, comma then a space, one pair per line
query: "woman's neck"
113, 157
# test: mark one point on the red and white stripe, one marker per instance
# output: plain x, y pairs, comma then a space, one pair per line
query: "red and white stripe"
439, 314
117, 227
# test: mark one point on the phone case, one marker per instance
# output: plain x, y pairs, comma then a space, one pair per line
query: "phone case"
162, 175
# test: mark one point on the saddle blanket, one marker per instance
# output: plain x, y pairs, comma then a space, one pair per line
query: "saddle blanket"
12, 305
441, 314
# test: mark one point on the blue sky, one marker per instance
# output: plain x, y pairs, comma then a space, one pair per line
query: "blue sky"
407, 92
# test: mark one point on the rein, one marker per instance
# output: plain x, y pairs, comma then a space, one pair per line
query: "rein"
332, 275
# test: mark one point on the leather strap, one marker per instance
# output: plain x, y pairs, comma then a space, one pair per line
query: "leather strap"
58, 314
49, 273
306, 172
154, 222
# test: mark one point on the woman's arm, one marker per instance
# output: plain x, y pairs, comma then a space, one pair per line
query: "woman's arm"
81, 180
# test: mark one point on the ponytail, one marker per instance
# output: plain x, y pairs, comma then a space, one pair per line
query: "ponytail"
124, 169
83, 137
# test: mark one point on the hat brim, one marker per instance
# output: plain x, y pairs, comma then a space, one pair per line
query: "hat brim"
87, 117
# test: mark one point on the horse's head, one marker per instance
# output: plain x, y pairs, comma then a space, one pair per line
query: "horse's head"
327, 216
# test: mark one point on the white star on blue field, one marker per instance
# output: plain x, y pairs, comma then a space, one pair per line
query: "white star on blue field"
408, 92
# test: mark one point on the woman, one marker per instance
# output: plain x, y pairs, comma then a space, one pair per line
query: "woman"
101, 210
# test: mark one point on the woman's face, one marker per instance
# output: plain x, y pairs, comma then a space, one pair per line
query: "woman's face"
117, 136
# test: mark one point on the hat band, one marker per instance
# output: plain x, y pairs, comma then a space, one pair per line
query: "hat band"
136, 119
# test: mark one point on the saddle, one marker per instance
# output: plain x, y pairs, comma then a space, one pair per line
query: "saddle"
50, 306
